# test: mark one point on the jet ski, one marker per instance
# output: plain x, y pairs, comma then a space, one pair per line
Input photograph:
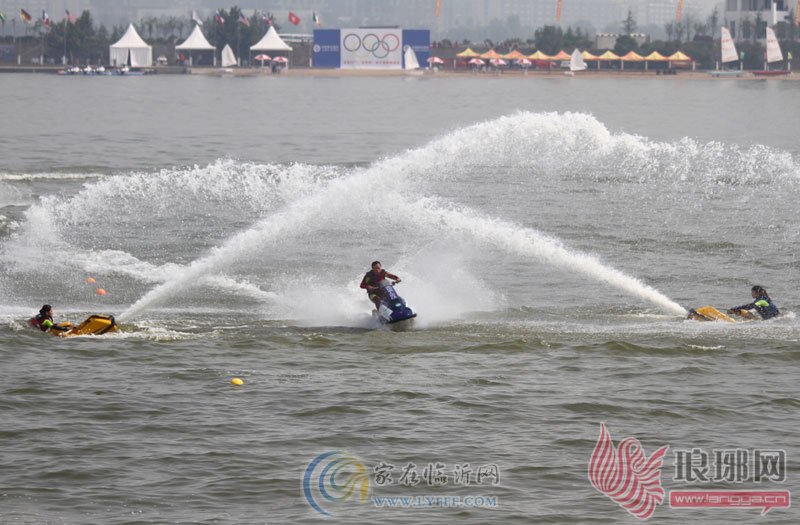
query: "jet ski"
709, 313
393, 309
93, 325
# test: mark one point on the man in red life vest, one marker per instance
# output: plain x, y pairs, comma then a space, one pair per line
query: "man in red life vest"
372, 282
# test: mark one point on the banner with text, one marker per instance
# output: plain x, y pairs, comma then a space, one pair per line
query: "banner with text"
371, 48
327, 48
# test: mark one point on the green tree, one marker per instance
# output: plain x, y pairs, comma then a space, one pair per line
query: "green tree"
625, 44
713, 22
549, 39
629, 24
669, 28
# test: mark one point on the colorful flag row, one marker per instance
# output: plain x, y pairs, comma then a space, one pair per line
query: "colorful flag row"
72, 19
268, 18
46, 20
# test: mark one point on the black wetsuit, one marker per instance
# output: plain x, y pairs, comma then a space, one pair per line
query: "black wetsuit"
763, 305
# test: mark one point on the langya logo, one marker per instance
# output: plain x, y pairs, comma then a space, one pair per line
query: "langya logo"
626, 475
334, 477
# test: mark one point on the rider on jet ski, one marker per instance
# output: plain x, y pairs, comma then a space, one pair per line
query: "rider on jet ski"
762, 304
372, 281
44, 321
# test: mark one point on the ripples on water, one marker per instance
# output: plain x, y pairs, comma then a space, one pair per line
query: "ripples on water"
544, 284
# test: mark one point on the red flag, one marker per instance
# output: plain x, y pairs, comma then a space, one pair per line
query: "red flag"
679, 12
438, 7
293, 18
558, 10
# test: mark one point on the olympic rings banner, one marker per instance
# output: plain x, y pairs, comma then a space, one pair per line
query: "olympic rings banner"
372, 48
368, 48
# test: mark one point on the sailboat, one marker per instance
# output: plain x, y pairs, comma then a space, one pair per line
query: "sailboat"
774, 54
228, 58
576, 63
410, 62
728, 54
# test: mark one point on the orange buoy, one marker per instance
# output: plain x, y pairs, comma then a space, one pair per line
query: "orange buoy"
100, 291
90, 280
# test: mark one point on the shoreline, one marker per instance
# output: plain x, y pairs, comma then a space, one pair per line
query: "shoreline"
447, 73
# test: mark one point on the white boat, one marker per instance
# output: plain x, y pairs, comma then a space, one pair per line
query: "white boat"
774, 54
410, 62
576, 63
228, 58
728, 54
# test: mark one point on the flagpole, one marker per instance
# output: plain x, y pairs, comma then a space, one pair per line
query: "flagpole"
16, 49
65, 42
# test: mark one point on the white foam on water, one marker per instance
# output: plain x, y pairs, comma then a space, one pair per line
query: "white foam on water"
284, 203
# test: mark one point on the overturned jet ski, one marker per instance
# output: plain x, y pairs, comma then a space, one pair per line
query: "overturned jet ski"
393, 309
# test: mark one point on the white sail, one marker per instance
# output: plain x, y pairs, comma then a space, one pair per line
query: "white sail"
774, 53
410, 59
729, 53
228, 58
576, 62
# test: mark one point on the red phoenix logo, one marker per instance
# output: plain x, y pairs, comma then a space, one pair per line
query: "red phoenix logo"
626, 475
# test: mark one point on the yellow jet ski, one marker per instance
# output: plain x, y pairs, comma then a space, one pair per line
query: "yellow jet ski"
93, 325
709, 313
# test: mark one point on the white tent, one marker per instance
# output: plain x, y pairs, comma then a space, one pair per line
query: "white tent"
197, 42
131, 45
271, 42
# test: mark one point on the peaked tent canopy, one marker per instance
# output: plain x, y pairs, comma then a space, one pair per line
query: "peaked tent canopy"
539, 56
468, 53
131, 46
632, 56
491, 55
514, 55
679, 56
655, 56
271, 42
608, 55
588, 56
196, 41
562, 55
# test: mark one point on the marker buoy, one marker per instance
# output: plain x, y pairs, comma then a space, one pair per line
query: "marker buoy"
90, 280
100, 291
237, 381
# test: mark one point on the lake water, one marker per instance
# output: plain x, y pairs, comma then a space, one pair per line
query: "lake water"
549, 233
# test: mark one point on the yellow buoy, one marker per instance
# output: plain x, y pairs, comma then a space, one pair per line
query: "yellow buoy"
237, 381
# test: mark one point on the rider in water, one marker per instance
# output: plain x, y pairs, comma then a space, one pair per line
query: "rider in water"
372, 282
44, 320
762, 304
